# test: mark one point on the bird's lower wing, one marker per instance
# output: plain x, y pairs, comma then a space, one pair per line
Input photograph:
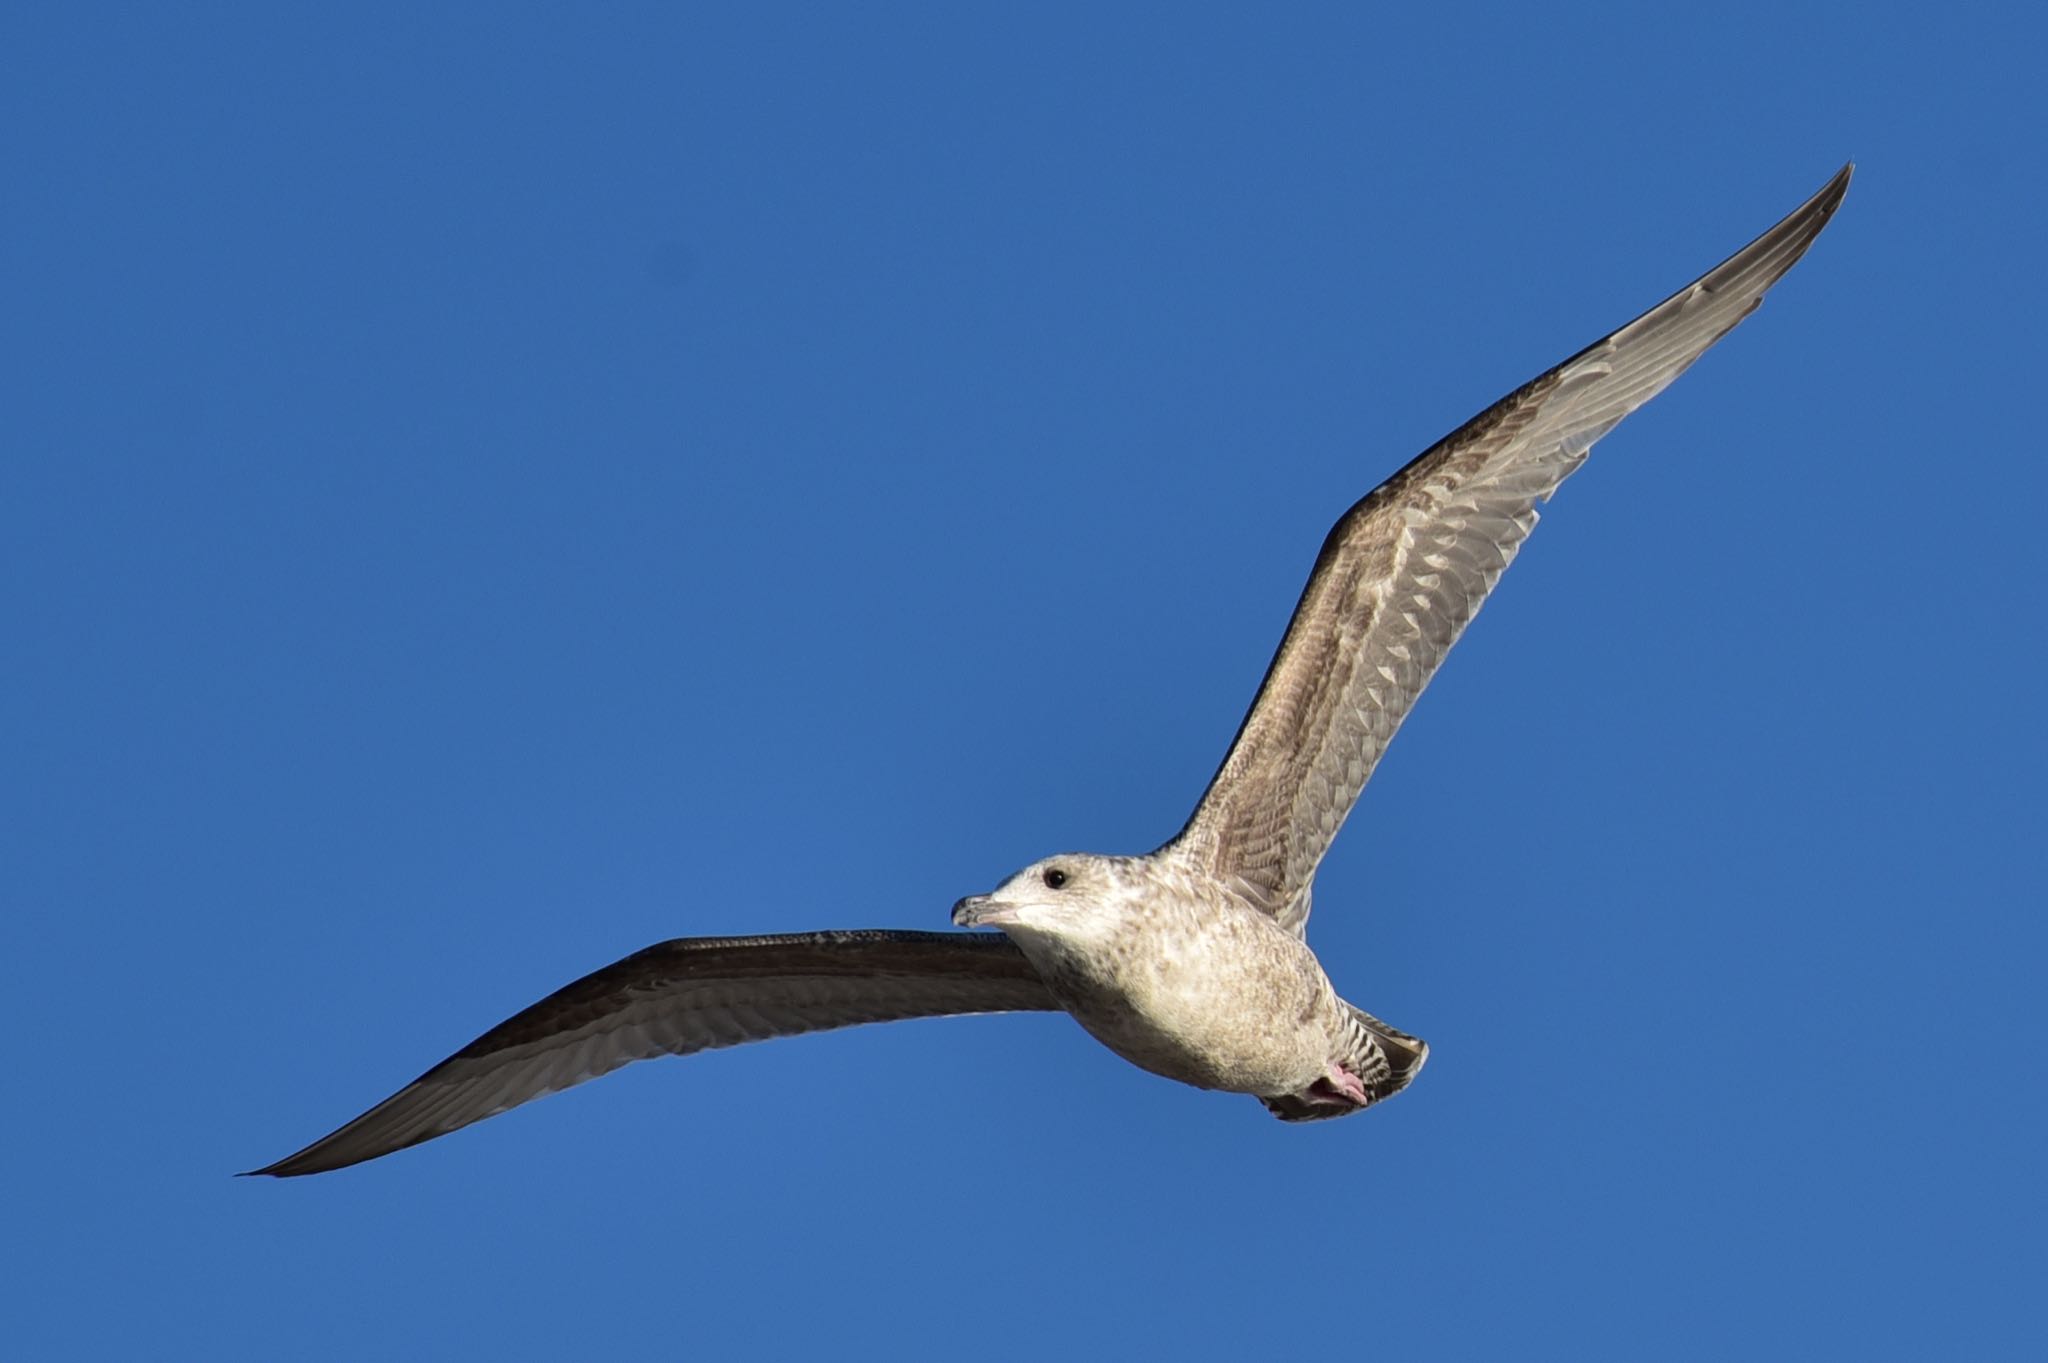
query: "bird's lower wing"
692, 994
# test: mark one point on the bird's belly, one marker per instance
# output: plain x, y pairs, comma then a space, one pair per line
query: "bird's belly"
1209, 1022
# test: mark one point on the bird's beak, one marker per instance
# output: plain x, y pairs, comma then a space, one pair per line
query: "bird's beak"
980, 911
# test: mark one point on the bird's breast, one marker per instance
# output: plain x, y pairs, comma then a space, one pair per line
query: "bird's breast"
1216, 1002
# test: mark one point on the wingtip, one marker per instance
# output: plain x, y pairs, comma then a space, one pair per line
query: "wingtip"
1806, 222
297, 1165
303, 1162
1830, 196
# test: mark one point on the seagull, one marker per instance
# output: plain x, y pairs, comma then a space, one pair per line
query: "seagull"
1191, 962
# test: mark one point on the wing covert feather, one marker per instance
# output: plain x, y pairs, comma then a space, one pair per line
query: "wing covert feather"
1406, 568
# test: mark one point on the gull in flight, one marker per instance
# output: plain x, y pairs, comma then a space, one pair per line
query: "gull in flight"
1192, 961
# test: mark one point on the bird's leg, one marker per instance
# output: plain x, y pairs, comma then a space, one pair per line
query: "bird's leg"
1339, 1085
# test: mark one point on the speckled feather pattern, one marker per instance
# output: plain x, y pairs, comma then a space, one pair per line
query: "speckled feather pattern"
1191, 962
1406, 569
1194, 983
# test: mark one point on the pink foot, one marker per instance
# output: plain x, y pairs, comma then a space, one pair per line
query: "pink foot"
1339, 1085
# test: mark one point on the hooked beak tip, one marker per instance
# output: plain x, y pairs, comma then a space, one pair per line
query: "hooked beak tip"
974, 911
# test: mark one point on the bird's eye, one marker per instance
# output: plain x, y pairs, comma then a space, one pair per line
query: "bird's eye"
1054, 878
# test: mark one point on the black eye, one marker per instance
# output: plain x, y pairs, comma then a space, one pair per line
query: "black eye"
1054, 878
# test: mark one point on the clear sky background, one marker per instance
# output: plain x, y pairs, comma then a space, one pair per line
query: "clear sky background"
486, 490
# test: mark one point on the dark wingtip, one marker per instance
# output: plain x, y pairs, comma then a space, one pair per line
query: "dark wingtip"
1811, 218
1840, 183
314, 1160
1829, 197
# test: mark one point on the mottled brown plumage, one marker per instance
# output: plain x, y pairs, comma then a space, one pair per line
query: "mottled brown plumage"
1190, 962
1406, 569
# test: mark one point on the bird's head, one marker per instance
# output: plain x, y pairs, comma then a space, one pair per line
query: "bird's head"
1074, 895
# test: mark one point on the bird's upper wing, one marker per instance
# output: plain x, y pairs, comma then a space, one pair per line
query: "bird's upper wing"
693, 994
1405, 570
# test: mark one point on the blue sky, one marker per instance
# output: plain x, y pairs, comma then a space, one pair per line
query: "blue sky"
486, 490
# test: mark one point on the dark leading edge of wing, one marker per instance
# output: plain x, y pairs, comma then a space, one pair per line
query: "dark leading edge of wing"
1398, 579
1406, 569
692, 994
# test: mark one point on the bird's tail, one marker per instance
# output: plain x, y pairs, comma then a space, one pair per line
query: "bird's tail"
1405, 1054
1385, 1060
